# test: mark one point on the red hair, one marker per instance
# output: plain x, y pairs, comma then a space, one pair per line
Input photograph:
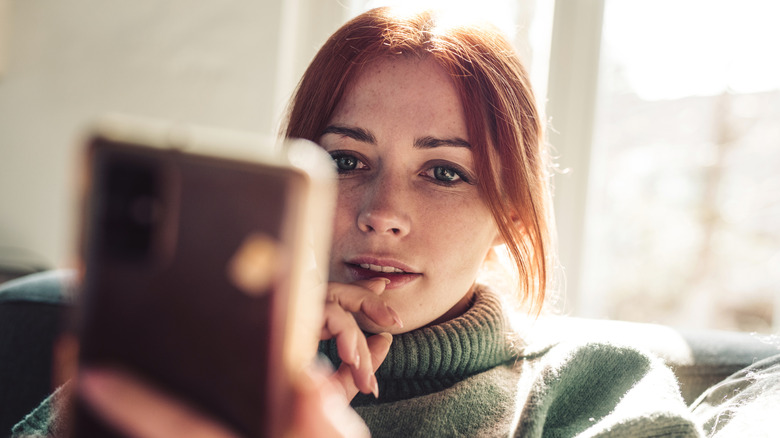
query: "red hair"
502, 120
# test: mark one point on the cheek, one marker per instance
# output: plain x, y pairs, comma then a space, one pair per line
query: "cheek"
458, 238
346, 205
344, 218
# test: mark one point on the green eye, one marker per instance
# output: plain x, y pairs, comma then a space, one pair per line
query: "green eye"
445, 174
345, 163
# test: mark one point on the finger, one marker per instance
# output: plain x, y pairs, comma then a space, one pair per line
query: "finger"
376, 285
363, 297
351, 346
363, 375
322, 411
140, 411
379, 346
342, 325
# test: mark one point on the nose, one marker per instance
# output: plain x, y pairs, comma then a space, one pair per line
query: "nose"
384, 210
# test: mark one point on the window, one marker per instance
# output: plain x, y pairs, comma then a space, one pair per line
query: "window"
683, 209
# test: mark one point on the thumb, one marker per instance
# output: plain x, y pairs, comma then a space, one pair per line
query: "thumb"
376, 285
379, 346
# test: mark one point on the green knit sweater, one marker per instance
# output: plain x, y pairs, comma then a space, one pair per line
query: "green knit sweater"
465, 378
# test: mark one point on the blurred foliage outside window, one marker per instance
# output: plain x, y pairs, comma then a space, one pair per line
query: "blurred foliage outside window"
683, 226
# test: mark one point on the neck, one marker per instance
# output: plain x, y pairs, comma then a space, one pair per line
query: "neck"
463, 305
432, 358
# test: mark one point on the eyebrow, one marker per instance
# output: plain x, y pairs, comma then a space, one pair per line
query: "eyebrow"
433, 142
358, 134
366, 136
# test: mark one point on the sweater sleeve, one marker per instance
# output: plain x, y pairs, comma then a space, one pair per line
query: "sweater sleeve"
49, 419
600, 389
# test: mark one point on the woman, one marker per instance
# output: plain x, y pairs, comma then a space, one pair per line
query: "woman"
434, 172
439, 148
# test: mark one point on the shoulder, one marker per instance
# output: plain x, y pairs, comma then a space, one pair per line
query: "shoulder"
595, 368
571, 387
591, 358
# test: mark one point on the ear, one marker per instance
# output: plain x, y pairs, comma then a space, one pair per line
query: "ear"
516, 222
498, 240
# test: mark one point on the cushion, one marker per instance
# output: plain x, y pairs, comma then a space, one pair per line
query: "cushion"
32, 309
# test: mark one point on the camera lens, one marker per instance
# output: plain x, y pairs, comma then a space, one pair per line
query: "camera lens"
132, 207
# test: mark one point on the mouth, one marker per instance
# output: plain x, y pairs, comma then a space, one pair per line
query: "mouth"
383, 269
397, 273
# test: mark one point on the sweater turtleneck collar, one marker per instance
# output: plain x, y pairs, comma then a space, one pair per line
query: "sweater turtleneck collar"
432, 358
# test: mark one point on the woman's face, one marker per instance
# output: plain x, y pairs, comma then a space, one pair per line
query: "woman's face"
408, 205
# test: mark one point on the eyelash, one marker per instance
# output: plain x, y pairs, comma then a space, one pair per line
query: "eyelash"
461, 175
337, 155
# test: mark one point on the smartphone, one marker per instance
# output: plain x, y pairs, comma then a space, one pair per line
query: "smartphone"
204, 266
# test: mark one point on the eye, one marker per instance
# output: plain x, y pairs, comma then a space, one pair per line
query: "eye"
346, 162
445, 174
448, 174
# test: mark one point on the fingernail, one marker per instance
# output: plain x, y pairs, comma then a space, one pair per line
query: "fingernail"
387, 336
356, 360
374, 386
396, 318
386, 280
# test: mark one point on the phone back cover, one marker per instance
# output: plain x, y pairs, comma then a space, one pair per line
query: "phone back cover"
195, 316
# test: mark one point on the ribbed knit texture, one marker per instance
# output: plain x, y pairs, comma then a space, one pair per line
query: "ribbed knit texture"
434, 358
462, 378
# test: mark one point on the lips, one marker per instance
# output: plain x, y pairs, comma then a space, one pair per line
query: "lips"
366, 268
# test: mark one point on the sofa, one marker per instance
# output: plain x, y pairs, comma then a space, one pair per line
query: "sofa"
33, 310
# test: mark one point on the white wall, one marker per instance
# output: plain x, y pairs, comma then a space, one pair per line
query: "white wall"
229, 63
214, 62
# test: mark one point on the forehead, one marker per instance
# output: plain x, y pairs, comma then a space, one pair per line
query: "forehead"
412, 91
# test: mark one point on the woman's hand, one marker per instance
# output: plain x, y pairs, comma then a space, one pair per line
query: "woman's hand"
141, 411
360, 356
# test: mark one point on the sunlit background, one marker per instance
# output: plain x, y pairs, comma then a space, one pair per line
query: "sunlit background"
684, 210
664, 116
